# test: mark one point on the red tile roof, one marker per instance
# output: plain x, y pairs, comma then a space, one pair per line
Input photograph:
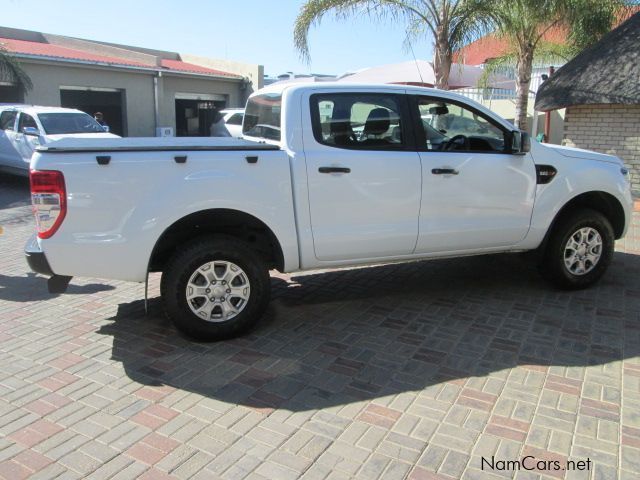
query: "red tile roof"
490, 46
48, 50
38, 49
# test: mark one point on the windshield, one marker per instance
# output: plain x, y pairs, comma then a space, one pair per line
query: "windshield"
262, 116
72, 122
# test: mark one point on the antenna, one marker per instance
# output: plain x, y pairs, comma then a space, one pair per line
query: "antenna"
415, 60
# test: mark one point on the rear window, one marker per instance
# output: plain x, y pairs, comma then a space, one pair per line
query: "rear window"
262, 116
235, 119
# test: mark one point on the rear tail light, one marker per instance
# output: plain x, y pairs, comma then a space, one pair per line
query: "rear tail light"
49, 200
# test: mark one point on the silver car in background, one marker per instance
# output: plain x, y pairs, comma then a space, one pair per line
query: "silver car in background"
25, 127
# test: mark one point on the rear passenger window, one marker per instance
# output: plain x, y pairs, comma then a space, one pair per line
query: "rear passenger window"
362, 121
8, 120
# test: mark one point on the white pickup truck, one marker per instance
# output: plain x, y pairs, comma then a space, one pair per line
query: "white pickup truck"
327, 176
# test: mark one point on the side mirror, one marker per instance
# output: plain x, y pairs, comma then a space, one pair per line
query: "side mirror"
32, 131
520, 142
105, 128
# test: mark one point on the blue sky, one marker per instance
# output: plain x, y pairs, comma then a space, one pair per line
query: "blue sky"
254, 31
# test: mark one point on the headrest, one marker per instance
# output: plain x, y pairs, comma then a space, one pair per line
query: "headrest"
378, 122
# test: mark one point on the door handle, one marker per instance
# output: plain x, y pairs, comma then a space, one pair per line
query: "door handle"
334, 170
444, 171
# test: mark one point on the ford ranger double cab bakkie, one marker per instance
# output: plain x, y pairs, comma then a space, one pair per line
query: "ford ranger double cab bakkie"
327, 175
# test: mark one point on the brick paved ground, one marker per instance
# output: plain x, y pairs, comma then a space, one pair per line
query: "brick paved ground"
389, 372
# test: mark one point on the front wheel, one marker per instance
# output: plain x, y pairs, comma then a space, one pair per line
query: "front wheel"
215, 288
579, 251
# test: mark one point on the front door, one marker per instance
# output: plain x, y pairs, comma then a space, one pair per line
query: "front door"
26, 144
364, 176
475, 194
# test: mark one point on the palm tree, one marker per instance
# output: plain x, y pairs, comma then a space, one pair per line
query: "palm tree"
10, 70
450, 23
524, 23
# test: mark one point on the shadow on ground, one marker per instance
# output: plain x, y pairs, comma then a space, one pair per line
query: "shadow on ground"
14, 191
350, 335
34, 287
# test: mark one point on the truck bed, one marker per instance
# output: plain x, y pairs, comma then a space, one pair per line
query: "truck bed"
123, 193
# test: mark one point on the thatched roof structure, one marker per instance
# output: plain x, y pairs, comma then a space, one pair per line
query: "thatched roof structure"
605, 73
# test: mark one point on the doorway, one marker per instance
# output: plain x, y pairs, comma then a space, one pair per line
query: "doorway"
108, 101
195, 113
10, 93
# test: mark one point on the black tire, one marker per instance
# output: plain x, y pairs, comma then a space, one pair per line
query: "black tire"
553, 267
186, 262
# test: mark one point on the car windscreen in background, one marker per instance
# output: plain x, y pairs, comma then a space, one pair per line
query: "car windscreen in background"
262, 116
60, 123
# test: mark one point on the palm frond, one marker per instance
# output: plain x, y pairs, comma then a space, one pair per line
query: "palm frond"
497, 65
11, 71
314, 11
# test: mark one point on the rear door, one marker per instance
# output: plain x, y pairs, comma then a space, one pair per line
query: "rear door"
475, 193
364, 176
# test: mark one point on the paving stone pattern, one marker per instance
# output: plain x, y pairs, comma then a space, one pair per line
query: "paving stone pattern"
412, 371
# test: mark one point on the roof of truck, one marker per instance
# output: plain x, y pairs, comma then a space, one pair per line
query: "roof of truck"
343, 86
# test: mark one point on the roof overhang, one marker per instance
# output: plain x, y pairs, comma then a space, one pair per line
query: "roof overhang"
129, 68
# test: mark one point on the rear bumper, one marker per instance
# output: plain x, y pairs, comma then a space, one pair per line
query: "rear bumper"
38, 262
36, 258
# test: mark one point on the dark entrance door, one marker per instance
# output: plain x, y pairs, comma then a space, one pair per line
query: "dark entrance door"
11, 94
109, 103
194, 117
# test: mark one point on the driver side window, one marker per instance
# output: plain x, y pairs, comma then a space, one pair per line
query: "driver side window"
451, 127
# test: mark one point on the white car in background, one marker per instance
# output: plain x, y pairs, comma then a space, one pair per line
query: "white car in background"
25, 127
232, 118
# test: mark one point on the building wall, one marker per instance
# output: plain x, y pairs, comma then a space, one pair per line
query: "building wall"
139, 106
138, 100
613, 129
170, 85
253, 73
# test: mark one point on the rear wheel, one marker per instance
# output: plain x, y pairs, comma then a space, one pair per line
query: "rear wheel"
216, 288
579, 251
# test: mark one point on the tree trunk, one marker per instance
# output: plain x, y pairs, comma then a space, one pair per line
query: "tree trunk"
442, 59
524, 68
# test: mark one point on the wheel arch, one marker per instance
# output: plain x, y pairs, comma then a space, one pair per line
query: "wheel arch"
600, 201
229, 222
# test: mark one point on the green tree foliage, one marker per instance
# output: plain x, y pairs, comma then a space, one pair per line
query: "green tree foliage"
450, 23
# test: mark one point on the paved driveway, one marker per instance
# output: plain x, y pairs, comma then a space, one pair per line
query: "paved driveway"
418, 370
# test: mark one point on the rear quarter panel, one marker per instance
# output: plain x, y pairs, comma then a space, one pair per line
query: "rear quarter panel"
116, 212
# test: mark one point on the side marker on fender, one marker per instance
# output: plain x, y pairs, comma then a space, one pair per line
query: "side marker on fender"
545, 173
